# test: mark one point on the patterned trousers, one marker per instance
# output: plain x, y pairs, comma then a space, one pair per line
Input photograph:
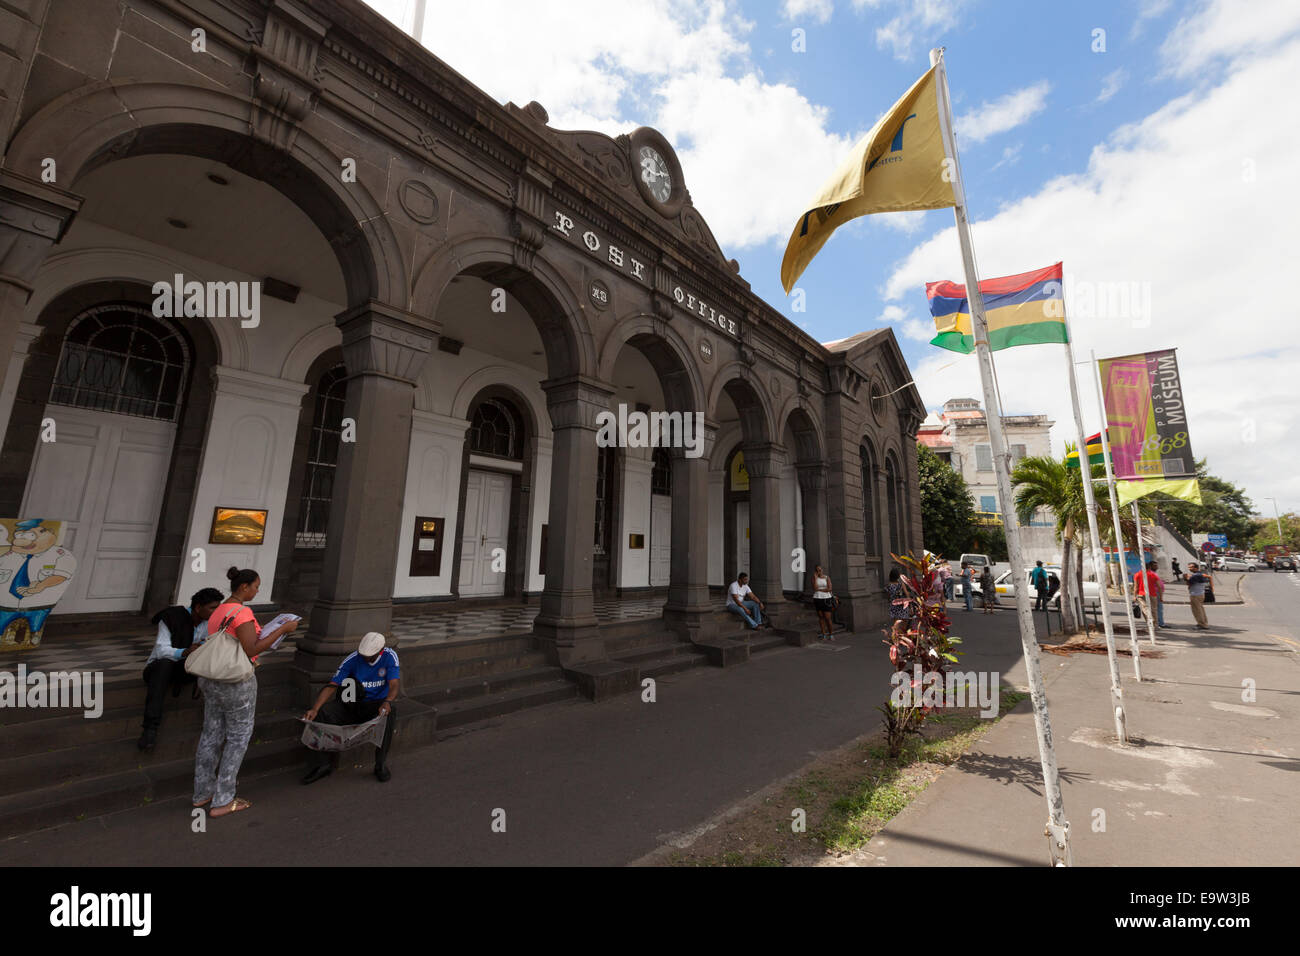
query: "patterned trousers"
228, 711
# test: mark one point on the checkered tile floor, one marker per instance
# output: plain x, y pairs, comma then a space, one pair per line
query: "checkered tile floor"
121, 657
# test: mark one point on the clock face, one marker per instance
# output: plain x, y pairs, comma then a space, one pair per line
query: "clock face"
654, 173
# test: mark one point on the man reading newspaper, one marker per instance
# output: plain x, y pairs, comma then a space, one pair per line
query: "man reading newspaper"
345, 718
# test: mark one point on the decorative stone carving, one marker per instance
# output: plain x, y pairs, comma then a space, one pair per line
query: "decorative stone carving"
529, 236
285, 76
574, 402
419, 201
381, 340
812, 477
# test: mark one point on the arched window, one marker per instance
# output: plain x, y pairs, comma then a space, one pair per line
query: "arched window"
119, 358
868, 500
661, 473
496, 430
322, 458
893, 507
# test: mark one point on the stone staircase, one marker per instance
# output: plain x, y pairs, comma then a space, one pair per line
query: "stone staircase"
56, 766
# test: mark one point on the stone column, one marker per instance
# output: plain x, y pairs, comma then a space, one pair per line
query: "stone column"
816, 540
33, 217
688, 608
566, 624
763, 462
383, 349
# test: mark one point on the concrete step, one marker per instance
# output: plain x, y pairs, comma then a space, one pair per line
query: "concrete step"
444, 693
458, 713
51, 803
427, 670
617, 646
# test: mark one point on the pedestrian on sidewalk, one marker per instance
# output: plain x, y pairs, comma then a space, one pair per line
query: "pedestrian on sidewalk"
1178, 572
824, 603
989, 590
1038, 578
946, 576
966, 580
900, 602
1148, 582
1196, 584
375, 670
180, 631
229, 708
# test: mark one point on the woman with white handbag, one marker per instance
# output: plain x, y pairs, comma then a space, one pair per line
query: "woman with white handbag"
229, 686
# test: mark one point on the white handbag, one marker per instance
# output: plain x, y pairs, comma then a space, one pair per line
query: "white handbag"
221, 658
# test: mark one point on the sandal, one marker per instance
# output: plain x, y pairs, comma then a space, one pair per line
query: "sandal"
239, 803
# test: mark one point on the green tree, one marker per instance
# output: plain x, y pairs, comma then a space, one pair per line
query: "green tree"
1224, 509
1266, 532
1044, 482
947, 509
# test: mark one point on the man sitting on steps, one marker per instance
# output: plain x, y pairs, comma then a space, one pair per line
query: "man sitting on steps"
180, 631
739, 599
374, 669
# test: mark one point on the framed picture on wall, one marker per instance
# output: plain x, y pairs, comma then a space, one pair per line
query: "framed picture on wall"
238, 526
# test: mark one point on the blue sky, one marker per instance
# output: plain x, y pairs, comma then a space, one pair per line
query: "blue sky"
1157, 167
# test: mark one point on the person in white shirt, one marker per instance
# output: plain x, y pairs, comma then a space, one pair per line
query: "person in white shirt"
824, 602
745, 602
180, 630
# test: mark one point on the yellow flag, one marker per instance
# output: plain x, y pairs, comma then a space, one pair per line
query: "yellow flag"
898, 166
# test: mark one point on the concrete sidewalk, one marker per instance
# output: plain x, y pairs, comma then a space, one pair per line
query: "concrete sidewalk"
1207, 780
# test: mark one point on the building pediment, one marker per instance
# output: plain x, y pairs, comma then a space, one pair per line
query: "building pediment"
643, 167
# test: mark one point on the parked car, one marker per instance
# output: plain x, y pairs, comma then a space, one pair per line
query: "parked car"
1284, 562
1006, 587
1234, 564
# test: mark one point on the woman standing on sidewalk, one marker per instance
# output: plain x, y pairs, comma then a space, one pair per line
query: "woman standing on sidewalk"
900, 601
824, 602
228, 709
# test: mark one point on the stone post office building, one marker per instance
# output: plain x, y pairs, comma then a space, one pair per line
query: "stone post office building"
450, 291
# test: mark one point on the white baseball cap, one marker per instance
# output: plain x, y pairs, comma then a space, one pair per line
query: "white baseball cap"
371, 644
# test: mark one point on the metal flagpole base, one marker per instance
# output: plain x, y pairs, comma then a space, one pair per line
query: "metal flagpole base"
1058, 844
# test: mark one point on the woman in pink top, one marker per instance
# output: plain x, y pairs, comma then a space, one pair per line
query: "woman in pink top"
229, 709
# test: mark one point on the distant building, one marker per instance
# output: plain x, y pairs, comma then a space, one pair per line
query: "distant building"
960, 436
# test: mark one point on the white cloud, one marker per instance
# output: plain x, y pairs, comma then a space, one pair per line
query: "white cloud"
1002, 114
1147, 10
914, 21
1111, 83
1169, 205
1223, 29
1010, 156
819, 10
686, 69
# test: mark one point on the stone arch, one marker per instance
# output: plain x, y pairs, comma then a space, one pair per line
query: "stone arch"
665, 350
750, 401
540, 286
105, 121
64, 271
56, 313
531, 402
307, 351
808, 438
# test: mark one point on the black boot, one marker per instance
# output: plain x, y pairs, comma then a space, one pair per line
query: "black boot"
318, 772
148, 737
382, 773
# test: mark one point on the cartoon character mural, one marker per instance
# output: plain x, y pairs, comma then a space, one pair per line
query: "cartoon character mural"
34, 574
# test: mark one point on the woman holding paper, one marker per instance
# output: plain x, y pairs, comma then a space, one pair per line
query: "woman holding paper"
228, 709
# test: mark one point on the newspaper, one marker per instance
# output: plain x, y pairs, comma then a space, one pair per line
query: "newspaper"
344, 736
275, 622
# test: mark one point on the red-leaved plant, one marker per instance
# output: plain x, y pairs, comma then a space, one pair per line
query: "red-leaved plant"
924, 640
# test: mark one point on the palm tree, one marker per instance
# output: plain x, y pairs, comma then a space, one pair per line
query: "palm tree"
1044, 482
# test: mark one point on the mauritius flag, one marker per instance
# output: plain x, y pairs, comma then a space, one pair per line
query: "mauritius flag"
1095, 454
1026, 309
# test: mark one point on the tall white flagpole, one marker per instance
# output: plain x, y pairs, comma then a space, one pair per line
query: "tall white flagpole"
1094, 536
1120, 554
1058, 829
1149, 600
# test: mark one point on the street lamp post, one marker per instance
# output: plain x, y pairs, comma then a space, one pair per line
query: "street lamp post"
1277, 518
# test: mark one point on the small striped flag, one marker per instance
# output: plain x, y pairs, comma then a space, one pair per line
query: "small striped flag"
1025, 309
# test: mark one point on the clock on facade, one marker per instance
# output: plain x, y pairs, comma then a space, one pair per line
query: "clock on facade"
658, 175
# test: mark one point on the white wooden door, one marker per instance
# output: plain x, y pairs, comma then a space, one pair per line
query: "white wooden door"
661, 540
742, 540
104, 477
483, 530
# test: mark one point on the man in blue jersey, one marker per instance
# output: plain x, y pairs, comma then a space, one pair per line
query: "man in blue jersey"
375, 673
